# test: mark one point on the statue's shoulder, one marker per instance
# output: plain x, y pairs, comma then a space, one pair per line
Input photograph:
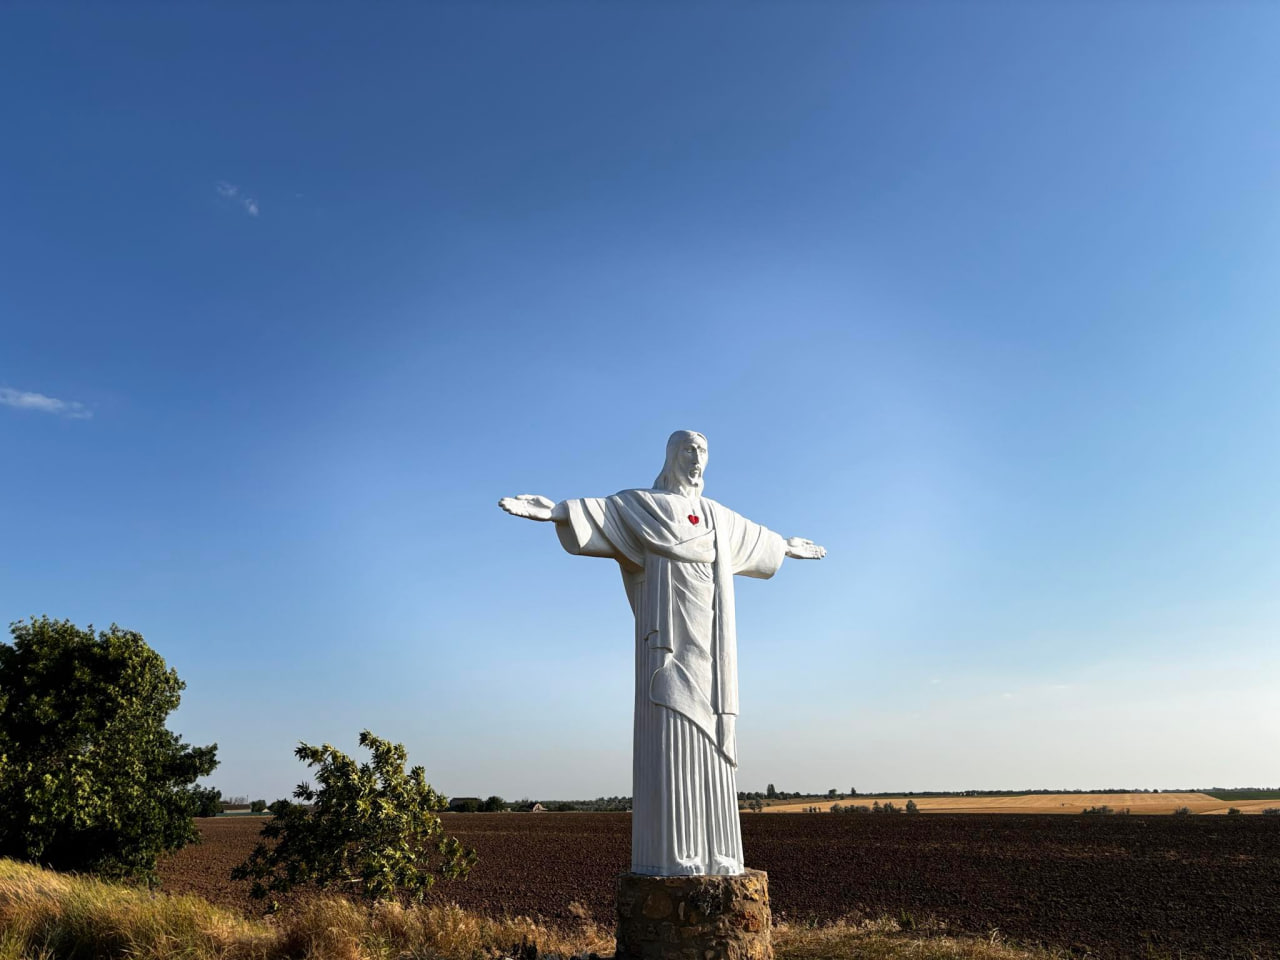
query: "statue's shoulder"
640, 493
643, 501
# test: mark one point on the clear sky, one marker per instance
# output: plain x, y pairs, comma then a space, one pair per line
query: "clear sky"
984, 298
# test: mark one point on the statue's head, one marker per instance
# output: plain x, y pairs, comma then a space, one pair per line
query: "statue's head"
686, 461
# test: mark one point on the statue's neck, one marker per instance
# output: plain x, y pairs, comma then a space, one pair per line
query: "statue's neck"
686, 489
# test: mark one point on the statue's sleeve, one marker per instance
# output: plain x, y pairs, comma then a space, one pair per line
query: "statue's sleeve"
582, 534
594, 527
756, 551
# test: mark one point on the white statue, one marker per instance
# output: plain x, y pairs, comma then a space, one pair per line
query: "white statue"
678, 551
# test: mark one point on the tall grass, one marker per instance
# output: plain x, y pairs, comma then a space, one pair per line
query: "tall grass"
50, 916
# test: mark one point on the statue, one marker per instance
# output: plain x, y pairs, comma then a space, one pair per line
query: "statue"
679, 552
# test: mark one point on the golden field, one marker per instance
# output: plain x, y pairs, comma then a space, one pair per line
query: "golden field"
1198, 803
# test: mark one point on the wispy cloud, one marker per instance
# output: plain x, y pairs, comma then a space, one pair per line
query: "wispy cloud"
229, 191
24, 400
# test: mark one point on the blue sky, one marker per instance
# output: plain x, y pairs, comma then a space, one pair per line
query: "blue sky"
982, 297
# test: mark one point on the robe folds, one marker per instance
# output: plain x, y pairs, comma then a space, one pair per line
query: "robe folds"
678, 557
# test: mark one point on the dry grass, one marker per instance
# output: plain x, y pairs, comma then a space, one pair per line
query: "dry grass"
886, 939
1198, 803
50, 916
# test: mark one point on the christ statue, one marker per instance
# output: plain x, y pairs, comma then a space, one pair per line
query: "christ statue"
678, 551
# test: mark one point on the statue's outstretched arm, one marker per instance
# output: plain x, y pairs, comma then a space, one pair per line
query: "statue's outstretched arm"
533, 507
801, 549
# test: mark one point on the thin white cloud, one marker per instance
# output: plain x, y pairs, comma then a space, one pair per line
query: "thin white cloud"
230, 191
25, 400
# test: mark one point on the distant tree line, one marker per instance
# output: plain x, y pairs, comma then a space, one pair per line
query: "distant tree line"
1218, 793
496, 804
876, 807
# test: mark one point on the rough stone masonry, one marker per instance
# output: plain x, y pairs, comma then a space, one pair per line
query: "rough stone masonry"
694, 918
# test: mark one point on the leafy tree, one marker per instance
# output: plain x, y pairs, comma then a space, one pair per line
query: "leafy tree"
370, 829
208, 801
90, 779
771, 792
494, 804
911, 807
258, 806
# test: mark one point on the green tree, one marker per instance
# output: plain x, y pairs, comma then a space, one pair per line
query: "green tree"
494, 804
771, 791
258, 806
208, 801
370, 829
90, 778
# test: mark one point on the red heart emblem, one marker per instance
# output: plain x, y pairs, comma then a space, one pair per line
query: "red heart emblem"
693, 519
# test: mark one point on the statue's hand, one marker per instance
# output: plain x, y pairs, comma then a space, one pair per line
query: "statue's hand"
529, 506
802, 549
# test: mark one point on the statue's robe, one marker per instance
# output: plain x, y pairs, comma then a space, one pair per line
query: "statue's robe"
679, 578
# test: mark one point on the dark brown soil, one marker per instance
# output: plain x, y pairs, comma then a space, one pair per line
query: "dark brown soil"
1118, 886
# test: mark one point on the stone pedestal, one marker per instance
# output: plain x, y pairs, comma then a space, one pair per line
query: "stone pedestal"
694, 918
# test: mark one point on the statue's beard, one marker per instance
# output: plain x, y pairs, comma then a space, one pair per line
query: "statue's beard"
693, 478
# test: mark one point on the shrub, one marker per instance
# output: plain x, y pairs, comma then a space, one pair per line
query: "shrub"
369, 830
1271, 812
90, 778
911, 807
1182, 812
1099, 811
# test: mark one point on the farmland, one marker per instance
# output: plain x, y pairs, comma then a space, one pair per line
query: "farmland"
1116, 886
1154, 803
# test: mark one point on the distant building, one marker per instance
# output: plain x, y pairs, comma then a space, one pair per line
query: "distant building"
537, 808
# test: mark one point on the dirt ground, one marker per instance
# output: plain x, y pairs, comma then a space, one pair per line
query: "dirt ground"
1191, 887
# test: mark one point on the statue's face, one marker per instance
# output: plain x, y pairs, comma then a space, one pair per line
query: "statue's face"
691, 461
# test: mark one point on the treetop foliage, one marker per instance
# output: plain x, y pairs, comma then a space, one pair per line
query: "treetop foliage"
370, 829
90, 778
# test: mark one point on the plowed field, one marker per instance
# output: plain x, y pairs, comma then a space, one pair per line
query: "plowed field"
1114, 886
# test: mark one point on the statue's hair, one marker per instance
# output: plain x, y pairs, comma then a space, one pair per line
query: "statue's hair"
667, 478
